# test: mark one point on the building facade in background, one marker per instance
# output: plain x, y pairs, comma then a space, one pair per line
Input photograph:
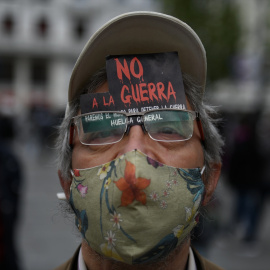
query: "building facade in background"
39, 43
248, 88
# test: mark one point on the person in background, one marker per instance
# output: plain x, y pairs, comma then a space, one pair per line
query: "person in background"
138, 151
248, 151
11, 182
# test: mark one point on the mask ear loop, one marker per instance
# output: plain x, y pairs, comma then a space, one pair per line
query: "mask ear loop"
72, 173
61, 195
202, 170
73, 176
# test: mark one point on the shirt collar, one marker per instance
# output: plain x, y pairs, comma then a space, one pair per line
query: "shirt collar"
191, 261
81, 263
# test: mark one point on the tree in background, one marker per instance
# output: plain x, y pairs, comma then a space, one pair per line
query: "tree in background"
217, 24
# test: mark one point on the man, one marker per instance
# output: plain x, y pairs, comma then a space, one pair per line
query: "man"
134, 165
11, 182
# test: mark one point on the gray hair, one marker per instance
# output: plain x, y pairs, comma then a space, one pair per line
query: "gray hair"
213, 141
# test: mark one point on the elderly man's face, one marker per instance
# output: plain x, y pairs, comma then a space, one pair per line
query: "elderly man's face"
185, 154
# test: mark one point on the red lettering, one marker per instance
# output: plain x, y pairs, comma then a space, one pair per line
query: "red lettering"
122, 69
111, 101
151, 90
104, 102
132, 70
143, 91
136, 98
94, 103
127, 98
161, 88
171, 91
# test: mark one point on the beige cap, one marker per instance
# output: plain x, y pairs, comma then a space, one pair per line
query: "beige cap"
137, 33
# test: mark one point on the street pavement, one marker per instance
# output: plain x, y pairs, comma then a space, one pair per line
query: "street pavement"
46, 236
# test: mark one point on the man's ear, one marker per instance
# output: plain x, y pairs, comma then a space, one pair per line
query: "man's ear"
65, 183
211, 183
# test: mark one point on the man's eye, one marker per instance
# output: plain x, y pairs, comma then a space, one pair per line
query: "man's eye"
102, 137
103, 134
167, 130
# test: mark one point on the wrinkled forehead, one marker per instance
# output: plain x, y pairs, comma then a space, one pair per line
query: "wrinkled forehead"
137, 83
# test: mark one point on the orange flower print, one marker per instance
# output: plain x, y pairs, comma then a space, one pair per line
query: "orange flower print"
131, 186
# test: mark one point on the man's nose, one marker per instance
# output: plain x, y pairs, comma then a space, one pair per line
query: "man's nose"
135, 138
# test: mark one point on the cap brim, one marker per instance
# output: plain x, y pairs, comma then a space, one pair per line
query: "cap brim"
138, 33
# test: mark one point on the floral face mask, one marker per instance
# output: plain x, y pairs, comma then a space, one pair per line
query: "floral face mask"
135, 209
